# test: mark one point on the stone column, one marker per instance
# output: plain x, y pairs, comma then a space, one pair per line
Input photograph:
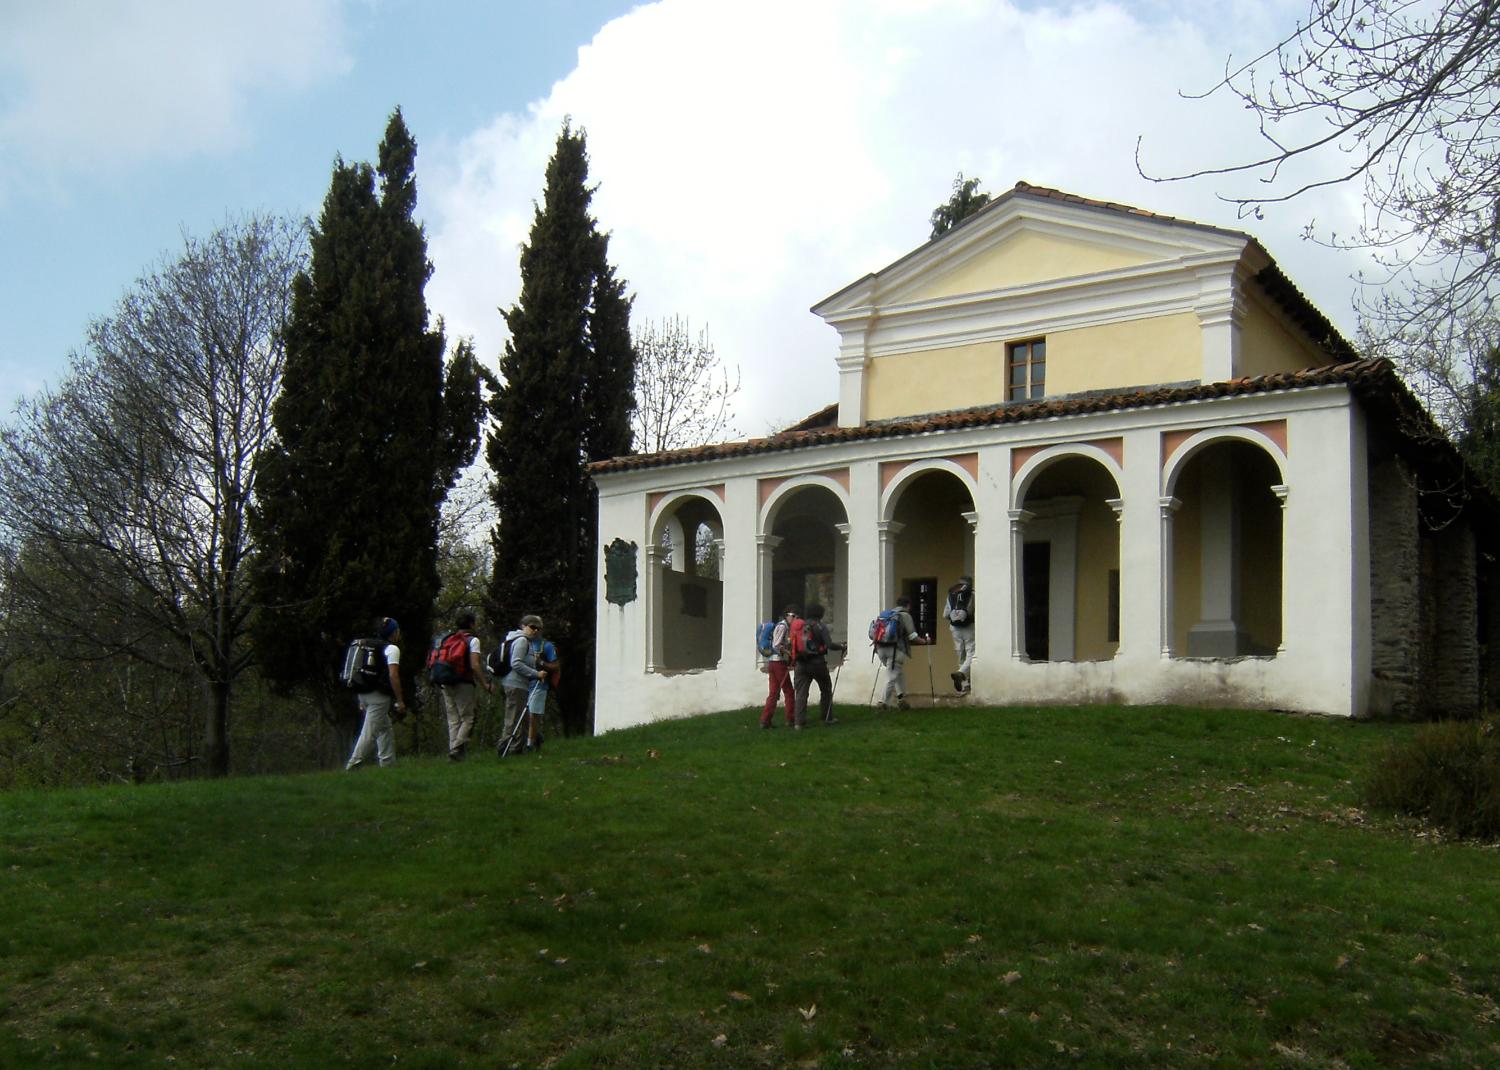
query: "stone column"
1018, 519
889, 531
1395, 595
842, 627
656, 565
765, 547
1168, 507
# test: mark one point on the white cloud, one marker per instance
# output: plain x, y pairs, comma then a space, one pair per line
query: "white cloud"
753, 159
102, 86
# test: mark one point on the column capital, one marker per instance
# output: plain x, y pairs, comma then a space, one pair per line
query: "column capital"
1281, 490
1169, 506
972, 519
889, 529
844, 530
1117, 505
768, 542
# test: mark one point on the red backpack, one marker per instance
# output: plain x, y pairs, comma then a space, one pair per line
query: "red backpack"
805, 641
448, 660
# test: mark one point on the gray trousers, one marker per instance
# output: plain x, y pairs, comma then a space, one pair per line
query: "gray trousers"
894, 660
376, 734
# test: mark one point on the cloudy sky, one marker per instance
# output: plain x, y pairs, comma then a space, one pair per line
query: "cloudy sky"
751, 158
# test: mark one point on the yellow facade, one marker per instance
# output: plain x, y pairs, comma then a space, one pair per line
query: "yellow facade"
1161, 349
1267, 346
1144, 352
1025, 258
935, 380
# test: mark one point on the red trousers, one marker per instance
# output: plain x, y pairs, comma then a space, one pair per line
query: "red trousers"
781, 680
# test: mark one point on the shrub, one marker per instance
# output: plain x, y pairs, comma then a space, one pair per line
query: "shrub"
1447, 774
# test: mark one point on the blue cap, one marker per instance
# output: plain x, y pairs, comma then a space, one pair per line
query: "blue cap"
389, 627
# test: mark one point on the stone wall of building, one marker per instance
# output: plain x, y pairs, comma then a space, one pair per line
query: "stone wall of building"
1456, 657
1395, 591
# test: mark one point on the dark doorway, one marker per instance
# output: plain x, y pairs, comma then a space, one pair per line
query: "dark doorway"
1036, 570
924, 607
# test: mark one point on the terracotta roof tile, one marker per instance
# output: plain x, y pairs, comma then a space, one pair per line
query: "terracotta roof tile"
1366, 377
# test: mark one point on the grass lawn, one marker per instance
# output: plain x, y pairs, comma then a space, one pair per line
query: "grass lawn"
1093, 887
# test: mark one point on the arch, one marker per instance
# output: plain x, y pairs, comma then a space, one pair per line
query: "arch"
1034, 465
1066, 555
804, 549
891, 495
926, 538
686, 590
779, 497
1224, 546
1201, 440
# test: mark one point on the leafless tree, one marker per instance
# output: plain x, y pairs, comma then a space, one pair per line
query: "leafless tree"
123, 492
682, 392
1402, 96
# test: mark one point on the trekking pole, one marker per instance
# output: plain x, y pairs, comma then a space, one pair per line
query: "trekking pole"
931, 687
873, 682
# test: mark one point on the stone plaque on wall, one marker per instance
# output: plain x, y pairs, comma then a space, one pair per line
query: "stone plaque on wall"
620, 572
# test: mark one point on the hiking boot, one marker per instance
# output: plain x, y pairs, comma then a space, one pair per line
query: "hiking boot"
830, 720
454, 756
353, 767
903, 705
768, 724
958, 681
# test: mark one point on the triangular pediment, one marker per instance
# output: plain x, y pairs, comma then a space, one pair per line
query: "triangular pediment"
1030, 239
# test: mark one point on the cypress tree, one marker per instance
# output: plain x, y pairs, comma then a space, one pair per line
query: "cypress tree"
566, 400
370, 432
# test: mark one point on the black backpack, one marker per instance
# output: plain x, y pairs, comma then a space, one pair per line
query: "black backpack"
364, 666
961, 598
499, 661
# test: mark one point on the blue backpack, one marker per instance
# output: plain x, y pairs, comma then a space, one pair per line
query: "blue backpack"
763, 633
885, 630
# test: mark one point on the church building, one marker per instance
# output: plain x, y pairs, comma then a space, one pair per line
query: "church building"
1170, 478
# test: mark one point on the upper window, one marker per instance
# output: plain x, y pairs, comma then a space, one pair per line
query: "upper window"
1028, 369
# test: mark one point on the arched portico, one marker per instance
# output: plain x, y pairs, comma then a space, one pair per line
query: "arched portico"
805, 549
926, 529
1065, 555
1223, 503
685, 557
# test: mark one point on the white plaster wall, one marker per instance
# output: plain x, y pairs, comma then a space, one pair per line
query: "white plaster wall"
1324, 667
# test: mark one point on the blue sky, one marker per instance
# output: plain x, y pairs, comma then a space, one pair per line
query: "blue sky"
751, 158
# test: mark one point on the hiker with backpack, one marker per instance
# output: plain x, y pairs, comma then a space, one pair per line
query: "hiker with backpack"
455, 667
811, 642
778, 667
548, 673
894, 633
958, 611
520, 671
380, 696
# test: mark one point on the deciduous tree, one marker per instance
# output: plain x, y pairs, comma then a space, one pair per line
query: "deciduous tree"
1399, 96
682, 392
123, 493
967, 199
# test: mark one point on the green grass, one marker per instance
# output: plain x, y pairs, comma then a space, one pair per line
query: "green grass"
1060, 887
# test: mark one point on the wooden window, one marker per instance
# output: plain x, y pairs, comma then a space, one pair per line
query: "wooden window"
1027, 370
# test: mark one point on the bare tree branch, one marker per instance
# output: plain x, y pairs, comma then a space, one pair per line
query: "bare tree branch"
682, 392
